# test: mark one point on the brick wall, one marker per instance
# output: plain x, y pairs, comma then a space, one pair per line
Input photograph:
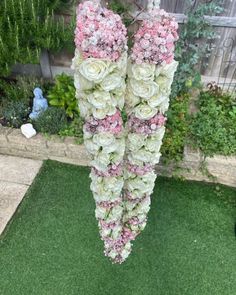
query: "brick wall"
12, 142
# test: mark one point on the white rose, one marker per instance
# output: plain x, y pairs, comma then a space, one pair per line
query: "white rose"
117, 146
81, 83
91, 147
145, 112
155, 101
84, 108
111, 82
94, 70
135, 141
152, 144
113, 184
117, 157
143, 71
144, 206
104, 139
102, 113
77, 60
160, 132
99, 99
120, 101
169, 70
143, 155
101, 161
131, 100
87, 135
144, 89
122, 63
121, 89
164, 84
116, 213
164, 106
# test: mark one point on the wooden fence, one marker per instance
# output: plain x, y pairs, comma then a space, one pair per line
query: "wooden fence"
221, 65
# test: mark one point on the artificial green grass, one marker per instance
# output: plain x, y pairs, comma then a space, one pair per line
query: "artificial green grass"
53, 247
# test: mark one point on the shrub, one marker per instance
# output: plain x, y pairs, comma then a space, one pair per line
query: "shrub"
63, 95
189, 54
16, 113
213, 127
74, 128
26, 27
21, 88
51, 121
176, 129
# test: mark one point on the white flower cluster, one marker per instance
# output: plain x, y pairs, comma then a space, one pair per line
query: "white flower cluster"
148, 88
100, 89
100, 85
144, 148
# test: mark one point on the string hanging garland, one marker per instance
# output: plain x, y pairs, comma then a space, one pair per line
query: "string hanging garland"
100, 69
122, 192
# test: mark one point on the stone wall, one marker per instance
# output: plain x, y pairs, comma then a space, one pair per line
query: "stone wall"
12, 142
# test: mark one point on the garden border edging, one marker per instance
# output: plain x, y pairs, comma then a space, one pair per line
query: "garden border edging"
40, 147
65, 150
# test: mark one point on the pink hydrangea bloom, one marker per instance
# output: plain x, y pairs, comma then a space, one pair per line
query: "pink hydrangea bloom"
111, 124
154, 41
146, 126
99, 32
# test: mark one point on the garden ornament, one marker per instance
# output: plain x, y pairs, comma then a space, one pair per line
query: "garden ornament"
40, 104
27, 130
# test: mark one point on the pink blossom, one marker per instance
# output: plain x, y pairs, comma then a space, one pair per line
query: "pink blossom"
155, 37
106, 28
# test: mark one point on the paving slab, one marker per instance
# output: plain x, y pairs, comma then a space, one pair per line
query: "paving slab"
11, 195
16, 175
18, 170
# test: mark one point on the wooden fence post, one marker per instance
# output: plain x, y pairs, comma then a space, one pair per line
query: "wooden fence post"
45, 65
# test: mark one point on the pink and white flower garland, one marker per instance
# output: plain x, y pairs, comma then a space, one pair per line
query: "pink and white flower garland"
151, 71
122, 189
100, 69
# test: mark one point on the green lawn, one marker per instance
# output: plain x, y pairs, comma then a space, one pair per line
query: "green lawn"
53, 247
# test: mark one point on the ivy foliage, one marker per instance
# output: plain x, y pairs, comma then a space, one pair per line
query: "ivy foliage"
193, 44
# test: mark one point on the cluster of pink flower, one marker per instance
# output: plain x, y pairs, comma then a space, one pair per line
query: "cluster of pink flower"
108, 204
99, 32
138, 170
118, 245
106, 225
112, 170
111, 124
154, 41
128, 197
146, 126
135, 221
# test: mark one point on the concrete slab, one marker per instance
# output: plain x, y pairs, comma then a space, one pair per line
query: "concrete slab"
16, 175
11, 195
18, 170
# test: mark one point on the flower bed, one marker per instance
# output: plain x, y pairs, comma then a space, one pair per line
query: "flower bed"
12, 142
66, 150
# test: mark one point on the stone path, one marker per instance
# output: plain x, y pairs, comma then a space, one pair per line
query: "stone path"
16, 175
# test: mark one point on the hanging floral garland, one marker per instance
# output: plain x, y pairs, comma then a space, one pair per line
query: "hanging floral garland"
122, 190
100, 69
151, 69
